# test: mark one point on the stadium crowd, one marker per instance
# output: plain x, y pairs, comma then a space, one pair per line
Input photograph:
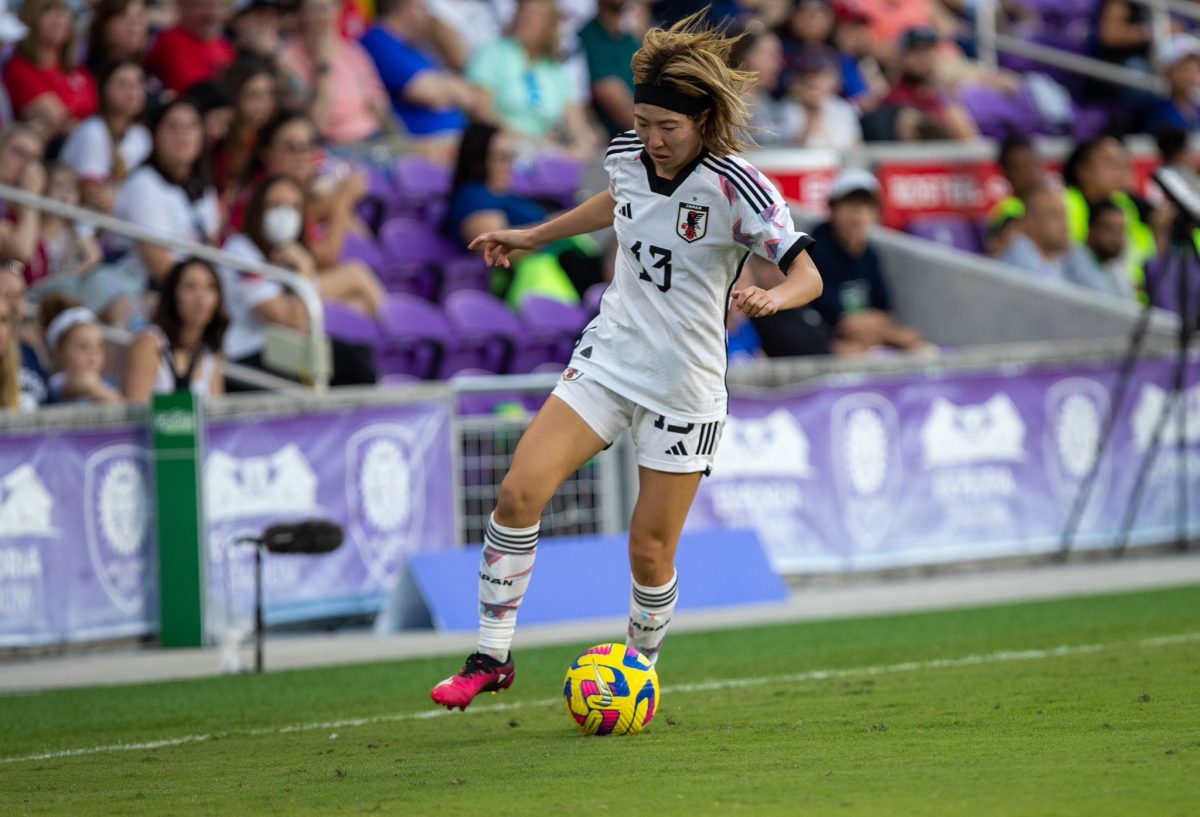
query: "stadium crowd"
270, 129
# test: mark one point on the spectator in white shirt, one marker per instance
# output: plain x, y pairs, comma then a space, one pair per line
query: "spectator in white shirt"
104, 148
827, 120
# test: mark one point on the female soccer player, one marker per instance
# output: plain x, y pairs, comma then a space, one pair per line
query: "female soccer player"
687, 213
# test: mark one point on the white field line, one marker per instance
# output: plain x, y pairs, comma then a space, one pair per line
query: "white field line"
1004, 656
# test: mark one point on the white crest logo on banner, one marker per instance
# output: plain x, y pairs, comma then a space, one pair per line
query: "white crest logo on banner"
1150, 404
26, 506
961, 435
1075, 412
282, 483
117, 518
383, 463
767, 446
865, 433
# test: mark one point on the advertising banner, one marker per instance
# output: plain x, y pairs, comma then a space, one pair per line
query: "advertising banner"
77, 554
921, 470
76, 537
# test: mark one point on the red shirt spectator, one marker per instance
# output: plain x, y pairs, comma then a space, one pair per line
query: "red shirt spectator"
924, 98
26, 82
181, 59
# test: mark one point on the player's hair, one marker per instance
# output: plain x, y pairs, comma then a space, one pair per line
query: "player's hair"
694, 59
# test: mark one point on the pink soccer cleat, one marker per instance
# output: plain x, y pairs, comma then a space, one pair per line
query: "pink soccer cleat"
481, 673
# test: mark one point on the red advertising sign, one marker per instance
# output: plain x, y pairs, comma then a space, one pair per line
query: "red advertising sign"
913, 189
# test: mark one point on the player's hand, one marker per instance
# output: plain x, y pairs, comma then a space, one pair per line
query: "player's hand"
755, 302
498, 244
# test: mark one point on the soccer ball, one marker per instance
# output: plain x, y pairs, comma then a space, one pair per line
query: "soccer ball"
611, 689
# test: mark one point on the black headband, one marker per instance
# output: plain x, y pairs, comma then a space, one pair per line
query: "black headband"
671, 99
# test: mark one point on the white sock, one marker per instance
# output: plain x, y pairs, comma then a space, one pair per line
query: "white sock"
650, 611
504, 569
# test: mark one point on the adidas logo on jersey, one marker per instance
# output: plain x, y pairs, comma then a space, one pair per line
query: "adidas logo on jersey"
626, 210
678, 450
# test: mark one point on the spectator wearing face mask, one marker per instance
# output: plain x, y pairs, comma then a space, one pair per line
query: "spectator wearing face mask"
77, 346
273, 231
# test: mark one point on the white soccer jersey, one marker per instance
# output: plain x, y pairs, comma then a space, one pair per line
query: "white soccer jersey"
659, 339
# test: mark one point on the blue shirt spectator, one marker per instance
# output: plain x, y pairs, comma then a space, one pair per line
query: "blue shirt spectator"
398, 64
475, 197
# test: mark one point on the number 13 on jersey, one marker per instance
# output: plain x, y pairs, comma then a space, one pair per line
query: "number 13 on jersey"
661, 258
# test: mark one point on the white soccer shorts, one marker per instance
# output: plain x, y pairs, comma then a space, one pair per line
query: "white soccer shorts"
662, 444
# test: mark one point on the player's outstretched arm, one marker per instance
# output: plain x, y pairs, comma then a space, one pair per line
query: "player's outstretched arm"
594, 214
801, 286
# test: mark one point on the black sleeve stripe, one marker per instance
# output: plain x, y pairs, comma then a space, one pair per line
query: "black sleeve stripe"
746, 174
625, 138
764, 194
750, 194
802, 243
630, 149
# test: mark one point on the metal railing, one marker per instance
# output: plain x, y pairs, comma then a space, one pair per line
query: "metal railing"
991, 42
319, 370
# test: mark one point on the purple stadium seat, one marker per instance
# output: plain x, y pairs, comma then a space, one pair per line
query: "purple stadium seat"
415, 337
412, 277
379, 192
485, 321
954, 231
465, 272
361, 248
997, 113
418, 186
591, 298
554, 328
550, 177
350, 325
407, 239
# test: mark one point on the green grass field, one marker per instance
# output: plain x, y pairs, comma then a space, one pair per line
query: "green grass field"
1085, 706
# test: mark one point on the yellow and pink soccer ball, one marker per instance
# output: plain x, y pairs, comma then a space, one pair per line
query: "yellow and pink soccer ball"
611, 689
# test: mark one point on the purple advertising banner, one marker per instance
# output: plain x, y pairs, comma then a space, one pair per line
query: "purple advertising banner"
926, 469
76, 533
76, 518
384, 474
